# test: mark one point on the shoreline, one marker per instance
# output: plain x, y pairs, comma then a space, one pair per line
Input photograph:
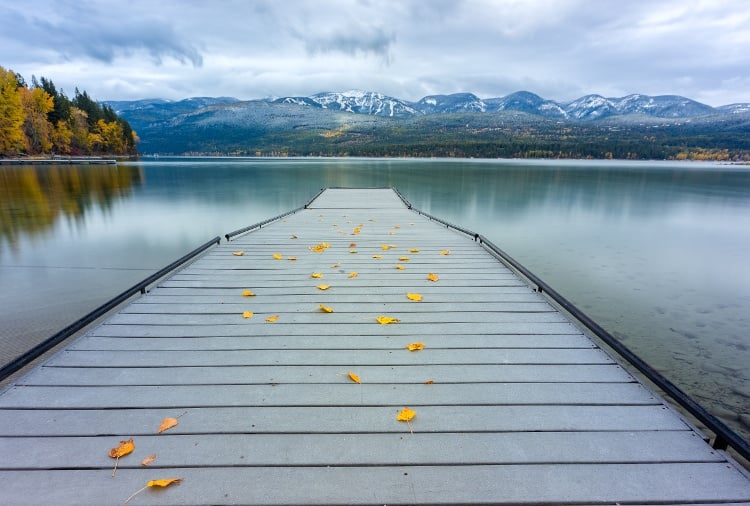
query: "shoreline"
58, 161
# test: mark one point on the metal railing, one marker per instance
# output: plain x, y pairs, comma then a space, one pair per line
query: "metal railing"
49, 343
261, 224
724, 436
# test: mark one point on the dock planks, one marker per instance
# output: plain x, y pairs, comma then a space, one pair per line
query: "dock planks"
514, 404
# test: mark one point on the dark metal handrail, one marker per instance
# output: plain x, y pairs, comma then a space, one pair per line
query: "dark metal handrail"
260, 224
724, 436
35, 352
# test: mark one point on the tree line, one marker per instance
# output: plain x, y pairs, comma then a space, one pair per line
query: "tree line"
38, 119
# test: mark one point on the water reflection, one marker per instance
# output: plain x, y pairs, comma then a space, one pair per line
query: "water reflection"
33, 198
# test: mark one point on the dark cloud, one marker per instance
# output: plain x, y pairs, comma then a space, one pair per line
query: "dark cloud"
353, 41
78, 30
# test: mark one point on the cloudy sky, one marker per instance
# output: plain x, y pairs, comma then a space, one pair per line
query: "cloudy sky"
560, 49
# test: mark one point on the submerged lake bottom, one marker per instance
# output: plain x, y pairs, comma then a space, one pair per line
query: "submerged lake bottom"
655, 252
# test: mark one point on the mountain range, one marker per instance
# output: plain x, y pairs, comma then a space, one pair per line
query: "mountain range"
589, 107
228, 125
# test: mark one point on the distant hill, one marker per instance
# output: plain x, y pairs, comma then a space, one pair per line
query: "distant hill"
372, 124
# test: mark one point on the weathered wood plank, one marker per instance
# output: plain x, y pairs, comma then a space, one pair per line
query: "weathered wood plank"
351, 358
675, 483
344, 394
315, 316
351, 294
342, 307
338, 420
347, 329
100, 343
240, 282
248, 375
243, 450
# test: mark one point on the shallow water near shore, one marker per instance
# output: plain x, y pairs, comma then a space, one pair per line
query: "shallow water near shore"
655, 252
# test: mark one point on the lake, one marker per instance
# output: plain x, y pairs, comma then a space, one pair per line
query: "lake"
656, 252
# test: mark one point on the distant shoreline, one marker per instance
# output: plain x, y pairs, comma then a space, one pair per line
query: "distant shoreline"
86, 160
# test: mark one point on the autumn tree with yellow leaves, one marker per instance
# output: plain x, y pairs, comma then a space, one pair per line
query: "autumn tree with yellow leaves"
39, 119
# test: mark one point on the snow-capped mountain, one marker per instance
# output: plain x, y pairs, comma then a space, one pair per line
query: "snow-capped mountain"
144, 113
356, 101
735, 108
587, 108
663, 106
154, 104
525, 101
447, 104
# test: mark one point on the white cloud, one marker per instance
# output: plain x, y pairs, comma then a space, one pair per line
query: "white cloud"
407, 48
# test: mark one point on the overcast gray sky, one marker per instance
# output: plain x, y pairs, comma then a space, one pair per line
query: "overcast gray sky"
560, 49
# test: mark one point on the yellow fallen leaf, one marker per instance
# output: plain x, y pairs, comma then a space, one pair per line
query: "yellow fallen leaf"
377, 256
278, 256
429, 382
167, 423
163, 482
272, 319
354, 377
323, 287
385, 320
400, 267
356, 231
396, 226
415, 346
292, 258
319, 248
247, 314
316, 275
325, 309
385, 247
125, 448
238, 253
353, 251
248, 293
445, 252
148, 460
403, 259
155, 483
406, 415
353, 275
432, 277
416, 297
414, 250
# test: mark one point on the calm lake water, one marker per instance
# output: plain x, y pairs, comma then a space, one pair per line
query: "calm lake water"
655, 252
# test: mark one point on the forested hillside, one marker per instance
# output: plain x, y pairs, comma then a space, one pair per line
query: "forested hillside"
460, 125
37, 119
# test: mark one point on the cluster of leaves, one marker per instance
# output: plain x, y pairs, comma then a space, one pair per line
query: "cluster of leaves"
406, 414
128, 447
39, 119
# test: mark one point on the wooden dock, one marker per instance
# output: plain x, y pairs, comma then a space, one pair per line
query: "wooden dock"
514, 405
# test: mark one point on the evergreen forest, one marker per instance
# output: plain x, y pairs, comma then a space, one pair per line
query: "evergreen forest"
38, 119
